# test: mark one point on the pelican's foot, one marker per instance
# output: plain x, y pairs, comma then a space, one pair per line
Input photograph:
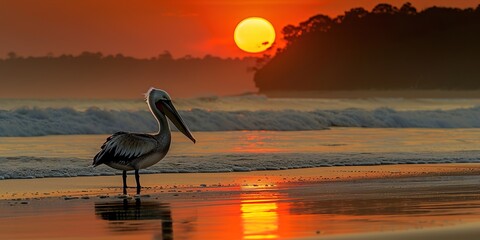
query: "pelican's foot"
137, 196
124, 196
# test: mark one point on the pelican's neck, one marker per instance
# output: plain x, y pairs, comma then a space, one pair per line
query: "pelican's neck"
163, 126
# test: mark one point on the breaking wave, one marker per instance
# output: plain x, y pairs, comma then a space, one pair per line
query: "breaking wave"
62, 121
41, 167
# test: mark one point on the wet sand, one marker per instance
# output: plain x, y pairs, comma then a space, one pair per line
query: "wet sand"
371, 202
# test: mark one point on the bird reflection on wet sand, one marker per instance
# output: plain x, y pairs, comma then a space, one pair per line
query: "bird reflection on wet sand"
136, 215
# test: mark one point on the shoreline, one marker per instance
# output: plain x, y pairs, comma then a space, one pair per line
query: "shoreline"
366, 202
91, 185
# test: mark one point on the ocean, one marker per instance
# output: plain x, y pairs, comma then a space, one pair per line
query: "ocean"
58, 138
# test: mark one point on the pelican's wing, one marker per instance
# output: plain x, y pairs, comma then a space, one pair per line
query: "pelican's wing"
123, 147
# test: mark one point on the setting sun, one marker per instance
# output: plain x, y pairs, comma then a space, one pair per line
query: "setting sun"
254, 35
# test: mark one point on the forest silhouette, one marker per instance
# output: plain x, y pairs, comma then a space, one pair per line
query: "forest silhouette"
94, 75
387, 48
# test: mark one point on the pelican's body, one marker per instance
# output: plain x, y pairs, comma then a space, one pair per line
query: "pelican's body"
135, 151
138, 151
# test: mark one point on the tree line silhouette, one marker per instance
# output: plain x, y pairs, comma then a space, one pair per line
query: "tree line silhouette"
94, 75
387, 48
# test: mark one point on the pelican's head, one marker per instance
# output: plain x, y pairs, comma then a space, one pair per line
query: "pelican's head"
162, 102
157, 94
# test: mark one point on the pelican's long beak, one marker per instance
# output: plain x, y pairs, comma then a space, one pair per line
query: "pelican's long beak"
171, 112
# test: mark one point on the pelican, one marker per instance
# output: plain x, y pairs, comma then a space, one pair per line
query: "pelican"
134, 151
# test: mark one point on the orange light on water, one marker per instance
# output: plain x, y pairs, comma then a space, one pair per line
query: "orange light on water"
255, 142
260, 219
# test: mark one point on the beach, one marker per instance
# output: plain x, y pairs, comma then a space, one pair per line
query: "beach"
350, 202
333, 168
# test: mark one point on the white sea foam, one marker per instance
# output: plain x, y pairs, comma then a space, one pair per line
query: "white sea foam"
62, 121
35, 167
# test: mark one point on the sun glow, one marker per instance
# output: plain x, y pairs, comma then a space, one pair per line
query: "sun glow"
254, 35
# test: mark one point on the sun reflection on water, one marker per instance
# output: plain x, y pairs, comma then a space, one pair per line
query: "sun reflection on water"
257, 142
260, 219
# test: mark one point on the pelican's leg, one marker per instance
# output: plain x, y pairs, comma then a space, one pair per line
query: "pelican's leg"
137, 178
124, 182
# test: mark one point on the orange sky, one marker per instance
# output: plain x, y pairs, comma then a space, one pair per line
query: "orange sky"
147, 27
